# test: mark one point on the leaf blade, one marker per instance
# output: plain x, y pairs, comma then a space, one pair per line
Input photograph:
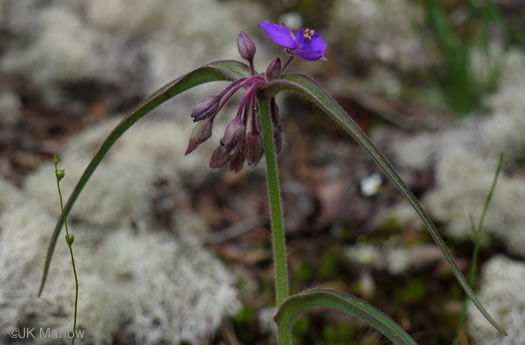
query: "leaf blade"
305, 86
295, 305
226, 70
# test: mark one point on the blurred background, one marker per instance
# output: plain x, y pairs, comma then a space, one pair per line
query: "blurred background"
172, 252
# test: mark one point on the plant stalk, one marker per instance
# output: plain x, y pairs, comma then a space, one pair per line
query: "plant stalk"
272, 173
70, 245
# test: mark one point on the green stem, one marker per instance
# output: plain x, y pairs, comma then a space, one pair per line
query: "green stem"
70, 245
272, 173
477, 231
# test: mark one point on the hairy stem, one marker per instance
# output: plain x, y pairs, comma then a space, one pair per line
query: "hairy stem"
287, 63
278, 238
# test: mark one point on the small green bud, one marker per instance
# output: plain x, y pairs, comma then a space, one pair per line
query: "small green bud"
60, 174
70, 238
56, 158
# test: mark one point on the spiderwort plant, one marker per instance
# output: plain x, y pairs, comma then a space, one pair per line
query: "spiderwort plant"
255, 131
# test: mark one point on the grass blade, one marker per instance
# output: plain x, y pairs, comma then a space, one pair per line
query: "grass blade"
477, 232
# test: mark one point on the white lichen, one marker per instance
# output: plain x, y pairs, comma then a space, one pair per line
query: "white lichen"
23, 242
123, 183
389, 256
63, 50
176, 291
502, 285
159, 287
134, 45
466, 156
391, 31
10, 105
10, 196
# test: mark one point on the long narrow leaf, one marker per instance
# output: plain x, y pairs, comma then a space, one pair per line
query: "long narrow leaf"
308, 88
294, 306
216, 71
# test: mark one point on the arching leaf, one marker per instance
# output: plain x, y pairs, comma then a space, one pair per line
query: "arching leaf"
294, 306
216, 71
308, 88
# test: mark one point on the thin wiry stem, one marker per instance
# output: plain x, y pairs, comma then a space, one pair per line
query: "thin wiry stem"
477, 231
69, 242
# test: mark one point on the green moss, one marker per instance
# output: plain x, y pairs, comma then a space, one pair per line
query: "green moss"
414, 291
391, 223
346, 332
246, 315
348, 233
330, 335
304, 272
328, 263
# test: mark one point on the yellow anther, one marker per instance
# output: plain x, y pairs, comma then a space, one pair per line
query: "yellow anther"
308, 33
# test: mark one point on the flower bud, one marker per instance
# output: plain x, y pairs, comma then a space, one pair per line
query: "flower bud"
70, 238
56, 158
205, 108
246, 46
254, 148
200, 134
234, 135
219, 158
60, 174
274, 69
237, 160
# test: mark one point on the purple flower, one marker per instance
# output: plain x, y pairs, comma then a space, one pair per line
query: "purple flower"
307, 43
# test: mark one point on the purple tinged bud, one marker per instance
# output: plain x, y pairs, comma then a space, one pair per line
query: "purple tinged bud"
205, 108
238, 158
234, 135
246, 46
219, 158
254, 148
274, 69
200, 134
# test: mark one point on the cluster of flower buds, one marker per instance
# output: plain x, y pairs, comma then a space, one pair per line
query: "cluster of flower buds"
239, 143
242, 139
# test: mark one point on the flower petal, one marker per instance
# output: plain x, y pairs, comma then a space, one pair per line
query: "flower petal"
310, 48
310, 55
299, 37
279, 34
317, 43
